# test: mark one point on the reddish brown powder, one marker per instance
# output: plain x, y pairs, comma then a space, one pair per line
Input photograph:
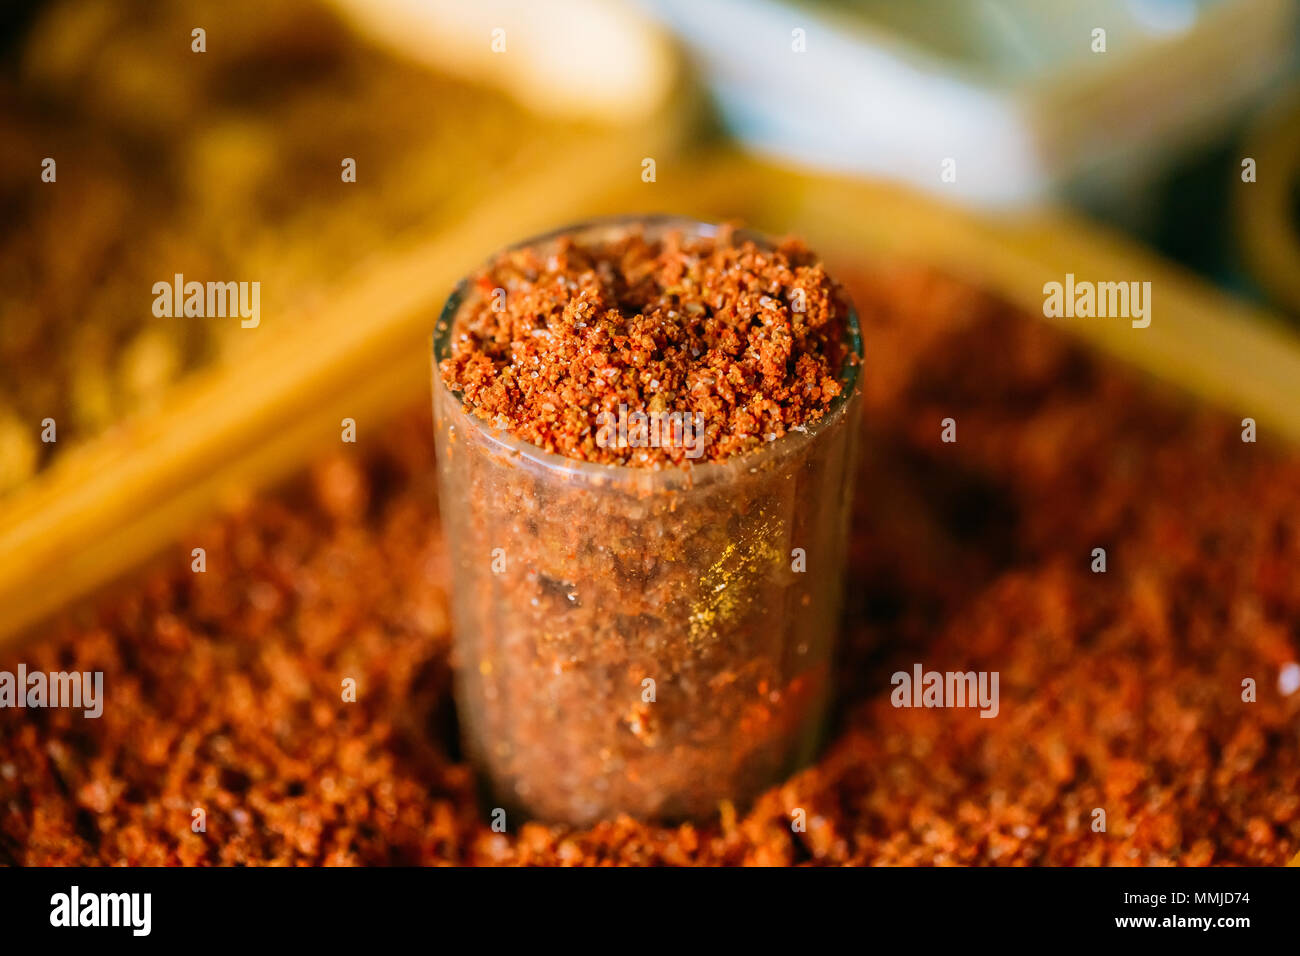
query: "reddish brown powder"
751, 339
1119, 690
647, 642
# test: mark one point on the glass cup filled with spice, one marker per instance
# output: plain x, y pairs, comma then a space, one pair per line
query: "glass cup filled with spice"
646, 432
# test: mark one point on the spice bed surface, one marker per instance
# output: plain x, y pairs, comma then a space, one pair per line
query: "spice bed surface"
1120, 690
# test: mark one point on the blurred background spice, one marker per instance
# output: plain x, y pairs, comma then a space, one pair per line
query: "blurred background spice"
220, 165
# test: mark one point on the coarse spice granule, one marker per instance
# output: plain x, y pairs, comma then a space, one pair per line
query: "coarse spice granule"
1120, 690
750, 339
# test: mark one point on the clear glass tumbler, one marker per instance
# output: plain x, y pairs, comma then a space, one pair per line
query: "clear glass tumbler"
635, 640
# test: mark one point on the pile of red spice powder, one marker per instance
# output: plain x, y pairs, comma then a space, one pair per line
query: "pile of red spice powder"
751, 340
1119, 690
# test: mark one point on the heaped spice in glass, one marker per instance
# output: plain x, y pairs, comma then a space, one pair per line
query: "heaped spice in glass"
750, 339
645, 442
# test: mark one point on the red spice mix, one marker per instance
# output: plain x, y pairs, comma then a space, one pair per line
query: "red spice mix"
751, 339
1119, 690
646, 641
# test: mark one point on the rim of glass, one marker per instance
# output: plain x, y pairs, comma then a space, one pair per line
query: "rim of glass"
695, 472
